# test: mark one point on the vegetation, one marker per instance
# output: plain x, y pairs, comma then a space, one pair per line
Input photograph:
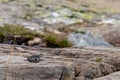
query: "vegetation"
17, 34
52, 40
98, 60
8, 32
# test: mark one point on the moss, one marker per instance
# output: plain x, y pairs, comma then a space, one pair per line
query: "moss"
56, 41
98, 60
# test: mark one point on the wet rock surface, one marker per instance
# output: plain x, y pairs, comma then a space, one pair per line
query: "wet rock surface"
84, 63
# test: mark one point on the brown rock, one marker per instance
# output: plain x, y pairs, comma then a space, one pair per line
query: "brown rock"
113, 37
67, 73
51, 30
58, 64
80, 78
34, 41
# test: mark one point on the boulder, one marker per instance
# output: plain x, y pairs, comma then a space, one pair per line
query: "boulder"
57, 63
79, 39
113, 37
34, 41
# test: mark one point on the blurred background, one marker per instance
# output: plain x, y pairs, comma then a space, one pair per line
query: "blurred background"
82, 22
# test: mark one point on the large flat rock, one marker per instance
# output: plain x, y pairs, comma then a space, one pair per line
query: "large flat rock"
57, 63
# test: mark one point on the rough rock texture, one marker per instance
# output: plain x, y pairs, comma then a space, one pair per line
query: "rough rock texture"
57, 64
113, 37
34, 41
113, 76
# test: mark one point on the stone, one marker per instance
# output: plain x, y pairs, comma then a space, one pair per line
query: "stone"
68, 64
34, 41
113, 37
68, 73
113, 76
79, 78
115, 62
79, 39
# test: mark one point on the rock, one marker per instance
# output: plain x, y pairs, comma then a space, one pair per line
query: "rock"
93, 70
67, 64
108, 21
106, 68
79, 39
34, 41
19, 49
113, 76
113, 37
79, 78
68, 73
115, 62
